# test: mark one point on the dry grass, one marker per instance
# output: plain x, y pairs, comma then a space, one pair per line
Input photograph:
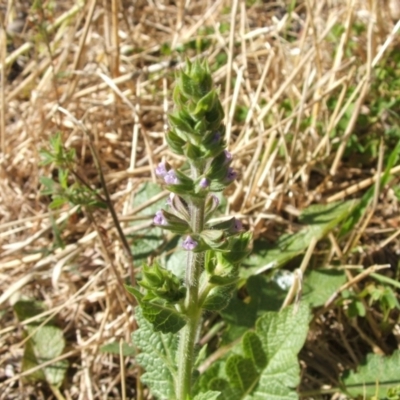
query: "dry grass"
109, 65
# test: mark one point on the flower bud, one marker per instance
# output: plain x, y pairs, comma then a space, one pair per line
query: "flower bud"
179, 206
230, 226
161, 169
189, 243
212, 203
170, 178
161, 283
228, 156
159, 218
171, 222
204, 183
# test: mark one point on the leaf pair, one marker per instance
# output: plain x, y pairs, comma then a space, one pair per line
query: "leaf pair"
265, 367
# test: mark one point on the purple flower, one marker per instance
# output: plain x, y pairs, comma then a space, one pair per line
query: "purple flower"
228, 156
238, 226
216, 138
159, 218
161, 169
204, 183
189, 243
231, 174
170, 178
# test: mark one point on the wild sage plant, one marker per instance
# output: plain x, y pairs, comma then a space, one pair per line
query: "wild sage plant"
214, 249
264, 364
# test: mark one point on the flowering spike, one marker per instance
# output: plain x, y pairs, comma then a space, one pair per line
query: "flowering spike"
215, 248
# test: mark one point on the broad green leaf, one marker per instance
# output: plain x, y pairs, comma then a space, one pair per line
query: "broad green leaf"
374, 377
320, 220
147, 242
209, 395
267, 367
157, 357
319, 285
177, 262
45, 343
241, 313
282, 336
114, 348
163, 318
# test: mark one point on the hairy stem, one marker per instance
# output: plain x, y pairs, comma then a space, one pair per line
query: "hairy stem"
188, 334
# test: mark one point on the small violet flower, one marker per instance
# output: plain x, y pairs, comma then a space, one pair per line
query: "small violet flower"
161, 170
238, 226
204, 183
159, 218
189, 243
228, 156
231, 174
216, 138
170, 178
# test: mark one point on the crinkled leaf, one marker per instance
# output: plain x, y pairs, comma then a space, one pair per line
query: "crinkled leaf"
157, 357
282, 336
251, 348
374, 377
45, 343
115, 348
163, 318
241, 314
177, 262
218, 298
146, 242
268, 367
209, 395
319, 285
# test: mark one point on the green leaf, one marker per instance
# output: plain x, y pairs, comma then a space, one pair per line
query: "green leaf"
146, 243
45, 343
57, 202
268, 367
163, 318
262, 295
180, 123
48, 183
218, 298
319, 285
374, 377
251, 345
114, 348
320, 220
157, 357
209, 395
205, 104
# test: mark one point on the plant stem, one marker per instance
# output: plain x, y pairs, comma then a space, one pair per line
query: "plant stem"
193, 309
